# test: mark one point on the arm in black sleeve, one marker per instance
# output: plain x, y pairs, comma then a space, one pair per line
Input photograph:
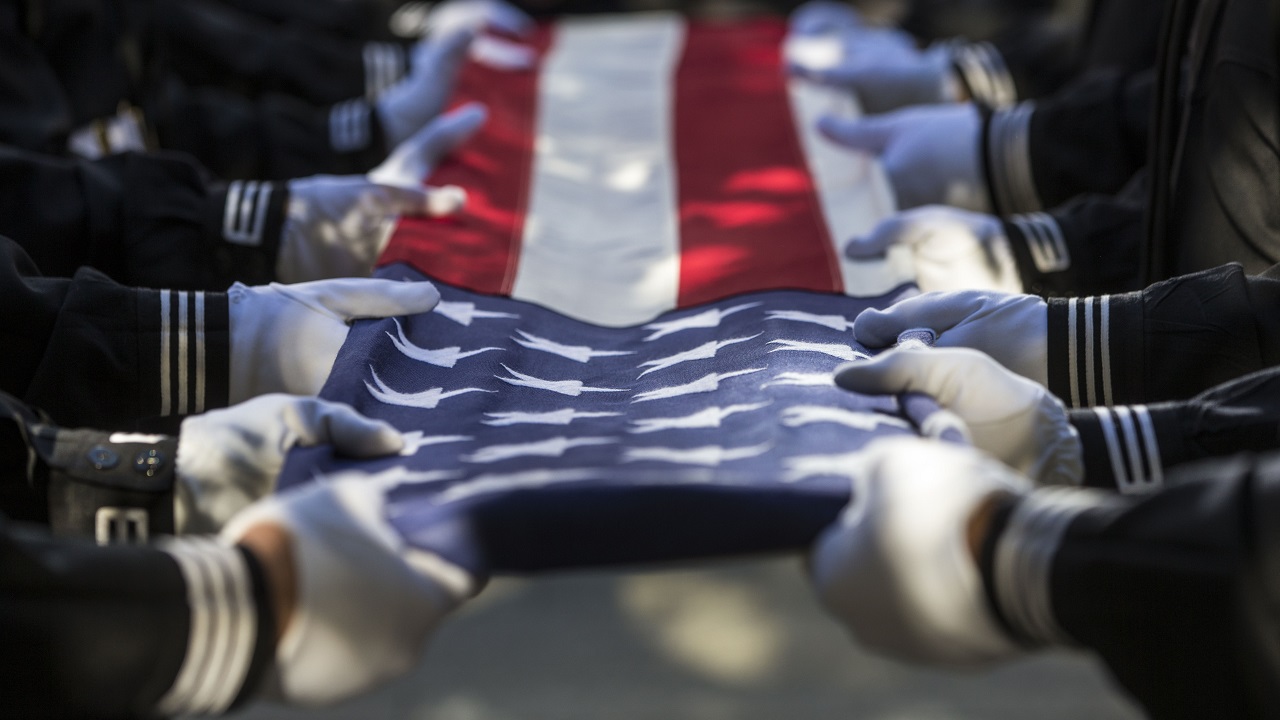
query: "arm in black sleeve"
210, 43
117, 632
1178, 591
1091, 137
35, 113
93, 353
1167, 342
1091, 245
1130, 447
151, 220
273, 137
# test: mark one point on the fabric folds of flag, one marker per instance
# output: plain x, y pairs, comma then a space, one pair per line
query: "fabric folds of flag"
537, 441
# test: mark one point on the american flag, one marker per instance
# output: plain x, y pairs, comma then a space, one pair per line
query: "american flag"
643, 304
708, 431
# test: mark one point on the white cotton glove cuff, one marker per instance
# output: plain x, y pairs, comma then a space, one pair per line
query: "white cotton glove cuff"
366, 602
897, 569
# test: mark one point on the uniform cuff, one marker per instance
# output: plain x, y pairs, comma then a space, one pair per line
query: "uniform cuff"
984, 74
385, 64
1022, 565
246, 220
116, 488
1040, 251
228, 605
1127, 447
351, 126
1096, 349
185, 351
1007, 157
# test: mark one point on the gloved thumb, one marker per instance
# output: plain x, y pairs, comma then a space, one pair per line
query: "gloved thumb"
355, 298
867, 134
891, 231
938, 311
413, 160
350, 433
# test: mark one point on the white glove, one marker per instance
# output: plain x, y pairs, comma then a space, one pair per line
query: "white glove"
477, 15
230, 458
897, 568
1019, 422
930, 153
338, 225
883, 66
411, 103
366, 602
284, 338
952, 249
819, 17
1013, 329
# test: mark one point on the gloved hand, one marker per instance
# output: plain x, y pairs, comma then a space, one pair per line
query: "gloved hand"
411, 103
230, 458
953, 249
338, 225
883, 66
284, 338
931, 154
1017, 421
819, 17
364, 603
1012, 329
898, 569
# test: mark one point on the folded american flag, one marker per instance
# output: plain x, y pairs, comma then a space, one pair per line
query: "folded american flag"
656, 386
709, 431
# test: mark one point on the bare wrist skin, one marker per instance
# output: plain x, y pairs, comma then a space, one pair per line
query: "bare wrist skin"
979, 524
272, 545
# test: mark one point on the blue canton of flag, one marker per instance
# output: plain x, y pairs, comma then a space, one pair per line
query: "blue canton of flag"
534, 441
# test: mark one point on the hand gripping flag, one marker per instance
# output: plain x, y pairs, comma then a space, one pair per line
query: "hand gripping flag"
657, 385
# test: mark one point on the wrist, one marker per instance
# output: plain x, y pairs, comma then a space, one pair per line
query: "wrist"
272, 546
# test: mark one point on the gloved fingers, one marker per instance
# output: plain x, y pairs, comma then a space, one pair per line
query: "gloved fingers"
413, 159
355, 298
502, 54
926, 370
868, 134
441, 56
823, 16
350, 433
893, 230
423, 200
479, 15
938, 311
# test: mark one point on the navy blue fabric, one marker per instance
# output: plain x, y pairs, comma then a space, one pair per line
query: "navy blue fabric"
547, 443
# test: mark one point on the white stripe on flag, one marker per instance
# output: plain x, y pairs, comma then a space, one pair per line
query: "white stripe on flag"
601, 234
852, 190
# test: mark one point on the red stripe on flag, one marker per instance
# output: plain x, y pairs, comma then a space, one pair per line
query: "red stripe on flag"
479, 248
749, 216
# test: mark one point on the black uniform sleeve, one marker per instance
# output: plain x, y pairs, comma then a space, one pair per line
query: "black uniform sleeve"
1091, 245
153, 220
36, 112
93, 353
1091, 137
211, 43
1129, 447
1170, 341
1176, 591
273, 137
124, 632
